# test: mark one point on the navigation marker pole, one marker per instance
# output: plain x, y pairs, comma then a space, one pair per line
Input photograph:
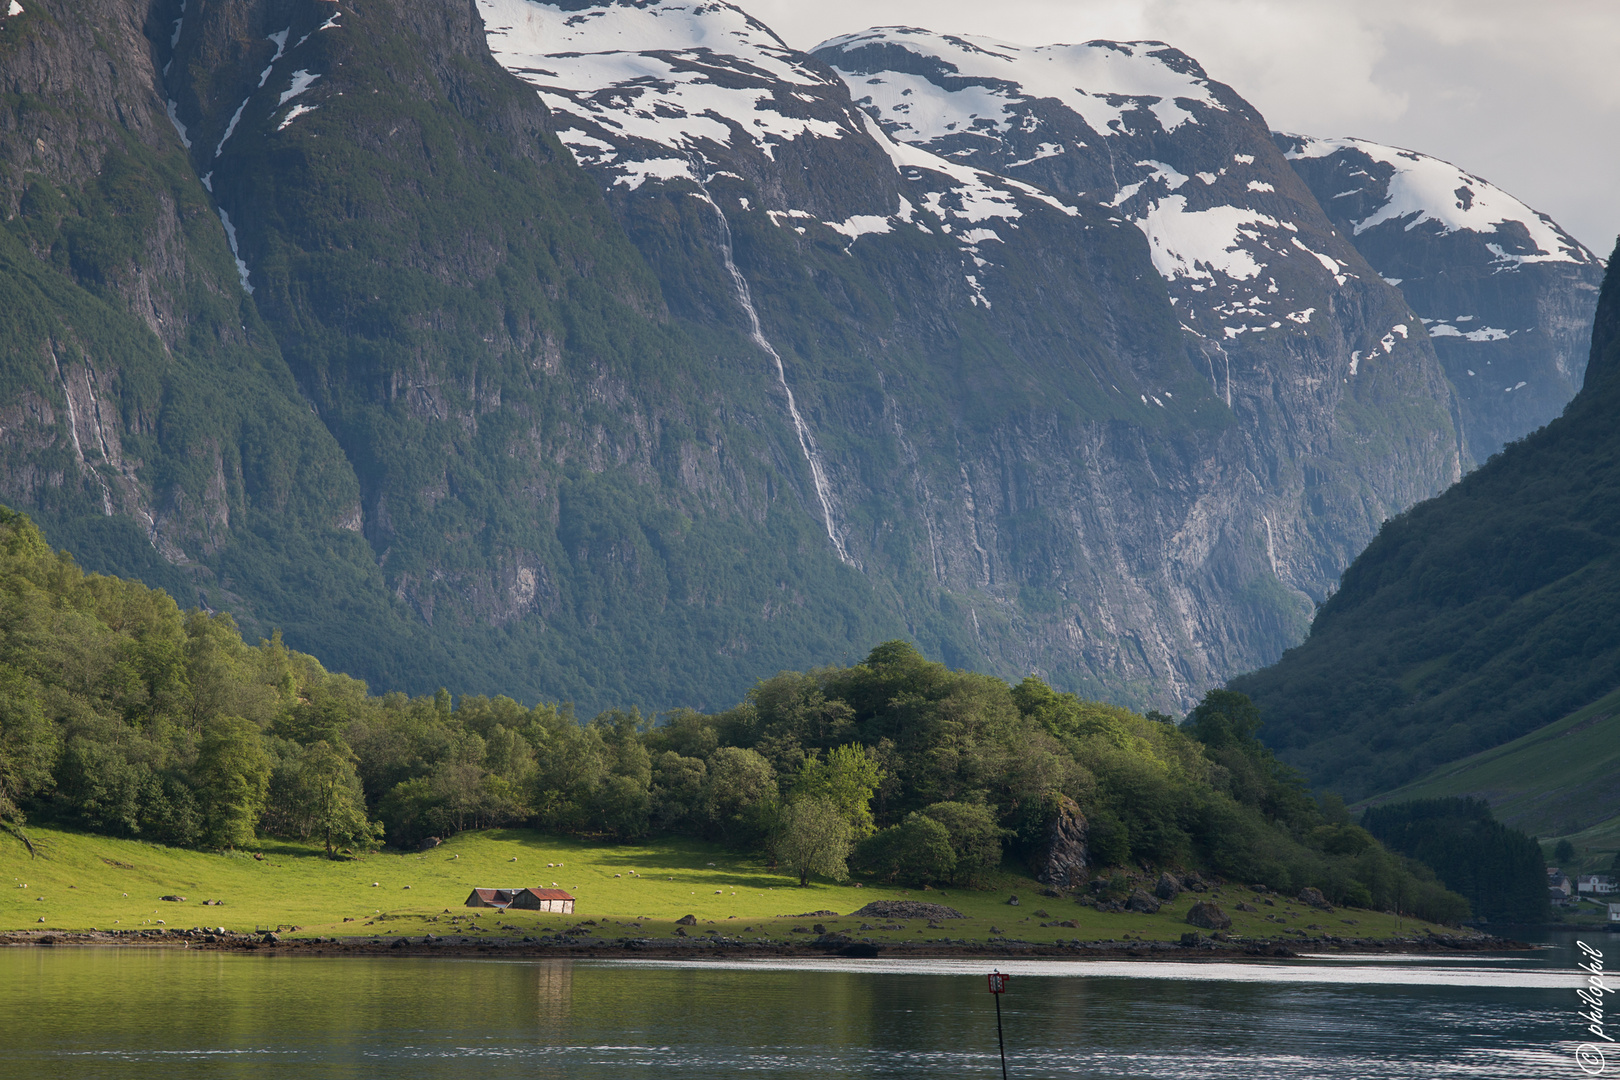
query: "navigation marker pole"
998, 986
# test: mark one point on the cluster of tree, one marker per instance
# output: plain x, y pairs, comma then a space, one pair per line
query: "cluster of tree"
125, 715
1500, 870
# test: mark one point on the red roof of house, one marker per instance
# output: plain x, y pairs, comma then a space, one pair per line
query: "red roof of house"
548, 894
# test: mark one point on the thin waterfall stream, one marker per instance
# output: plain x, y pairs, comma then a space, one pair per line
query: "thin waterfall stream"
807, 443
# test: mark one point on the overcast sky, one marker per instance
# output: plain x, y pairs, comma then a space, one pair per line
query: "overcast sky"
1520, 92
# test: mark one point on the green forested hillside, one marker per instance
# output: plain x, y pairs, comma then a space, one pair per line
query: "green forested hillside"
1473, 618
122, 714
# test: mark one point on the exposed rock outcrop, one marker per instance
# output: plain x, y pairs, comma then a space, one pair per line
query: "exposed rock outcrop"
1062, 858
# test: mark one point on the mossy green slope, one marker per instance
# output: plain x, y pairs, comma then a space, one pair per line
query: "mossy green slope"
1561, 780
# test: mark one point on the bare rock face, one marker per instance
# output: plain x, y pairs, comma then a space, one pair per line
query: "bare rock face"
1209, 915
1062, 858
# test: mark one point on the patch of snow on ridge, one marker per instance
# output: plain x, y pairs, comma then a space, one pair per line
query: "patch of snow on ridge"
230, 234
281, 46
294, 113
13, 9
633, 174
674, 72
1427, 189
301, 81
862, 225
1102, 81
174, 118
1195, 243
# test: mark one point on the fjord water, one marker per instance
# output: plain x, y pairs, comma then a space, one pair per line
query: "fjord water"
139, 1013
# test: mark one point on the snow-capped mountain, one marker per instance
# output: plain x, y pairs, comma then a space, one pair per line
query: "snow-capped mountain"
691, 90
636, 355
988, 216
1139, 127
1506, 294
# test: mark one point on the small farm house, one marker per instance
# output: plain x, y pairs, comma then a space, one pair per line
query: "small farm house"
553, 900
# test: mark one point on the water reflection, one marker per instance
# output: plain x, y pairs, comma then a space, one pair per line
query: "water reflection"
132, 1013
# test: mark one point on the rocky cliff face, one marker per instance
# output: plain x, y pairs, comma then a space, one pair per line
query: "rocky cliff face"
1507, 296
618, 352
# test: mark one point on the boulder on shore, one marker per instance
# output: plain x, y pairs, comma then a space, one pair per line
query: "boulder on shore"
1168, 887
1209, 915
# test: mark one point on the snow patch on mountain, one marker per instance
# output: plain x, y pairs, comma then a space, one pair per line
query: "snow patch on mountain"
1103, 81
677, 73
301, 81
1417, 188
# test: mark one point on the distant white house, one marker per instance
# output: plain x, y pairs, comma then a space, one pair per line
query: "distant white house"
1614, 915
1596, 884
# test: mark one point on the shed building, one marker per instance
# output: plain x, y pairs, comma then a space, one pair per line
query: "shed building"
554, 900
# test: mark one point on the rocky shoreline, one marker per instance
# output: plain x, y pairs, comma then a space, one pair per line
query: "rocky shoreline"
1191, 946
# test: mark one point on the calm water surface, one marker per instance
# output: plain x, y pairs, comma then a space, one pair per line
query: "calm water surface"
90, 1013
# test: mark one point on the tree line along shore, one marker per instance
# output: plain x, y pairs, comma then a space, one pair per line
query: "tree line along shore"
125, 717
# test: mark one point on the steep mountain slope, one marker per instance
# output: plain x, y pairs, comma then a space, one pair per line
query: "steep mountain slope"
1474, 618
1507, 295
146, 414
1560, 780
579, 498
1017, 344
1341, 402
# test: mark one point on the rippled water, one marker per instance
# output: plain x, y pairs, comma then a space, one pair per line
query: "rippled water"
137, 1013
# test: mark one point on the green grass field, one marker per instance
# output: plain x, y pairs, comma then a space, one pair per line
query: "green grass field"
81, 881
1561, 780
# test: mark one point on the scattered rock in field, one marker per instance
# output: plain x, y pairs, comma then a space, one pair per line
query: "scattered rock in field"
902, 909
1042, 913
429, 844
1140, 901
1193, 939
686, 920
1209, 916
1013, 900
814, 915
1247, 907
1312, 896
170, 899
818, 928
1167, 888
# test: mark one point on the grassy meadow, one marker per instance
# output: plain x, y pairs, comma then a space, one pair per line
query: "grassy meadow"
81, 881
